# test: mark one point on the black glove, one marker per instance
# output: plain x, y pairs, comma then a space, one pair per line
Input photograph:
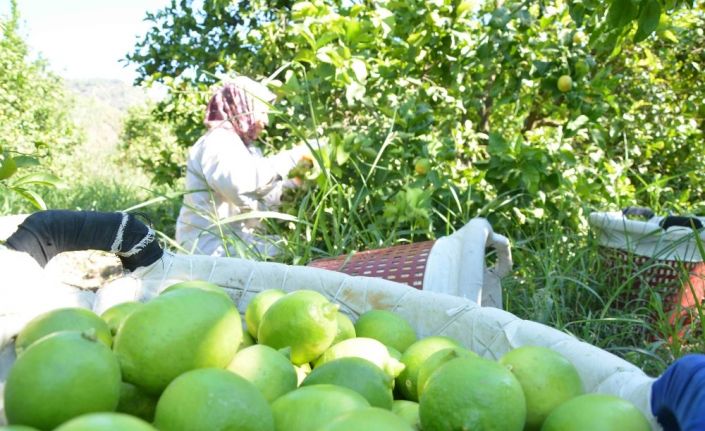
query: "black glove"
45, 234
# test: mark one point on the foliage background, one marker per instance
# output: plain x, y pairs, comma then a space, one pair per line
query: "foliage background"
468, 85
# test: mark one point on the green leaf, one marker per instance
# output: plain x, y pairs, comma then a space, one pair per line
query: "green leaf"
648, 19
31, 196
26, 161
38, 178
621, 13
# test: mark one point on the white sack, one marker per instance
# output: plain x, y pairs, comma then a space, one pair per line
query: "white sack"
456, 264
488, 331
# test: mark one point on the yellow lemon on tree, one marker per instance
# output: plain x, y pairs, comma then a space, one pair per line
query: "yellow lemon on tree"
422, 166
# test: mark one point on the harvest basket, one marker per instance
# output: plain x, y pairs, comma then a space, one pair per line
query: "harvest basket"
659, 253
455, 264
488, 331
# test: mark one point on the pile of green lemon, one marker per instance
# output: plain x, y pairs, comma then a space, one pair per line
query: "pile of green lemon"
186, 361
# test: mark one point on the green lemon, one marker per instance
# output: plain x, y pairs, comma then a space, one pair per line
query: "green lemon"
174, 333
61, 376
387, 327
409, 411
565, 83
212, 399
365, 348
413, 357
303, 320
106, 422
596, 412
368, 419
17, 428
267, 369
311, 407
547, 378
135, 402
259, 305
422, 166
63, 319
346, 329
360, 375
433, 362
247, 340
115, 315
198, 284
472, 394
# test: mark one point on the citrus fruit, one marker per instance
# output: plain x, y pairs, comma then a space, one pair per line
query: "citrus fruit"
413, 357
198, 284
303, 320
259, 305
596, 412
247, 340
565, 83
407, 410
472, 394
310, 407
386, 327
115, 315
62, 319
212, 399
346, 329
547, 378
433, 362
394, 353
135, 402
175, 333
368, 419
61, 376
302, 371
365, 348
422, 166
106, 422
360, 375
17, 428
269, 370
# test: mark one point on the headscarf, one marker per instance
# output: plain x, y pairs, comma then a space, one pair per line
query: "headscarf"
242, 104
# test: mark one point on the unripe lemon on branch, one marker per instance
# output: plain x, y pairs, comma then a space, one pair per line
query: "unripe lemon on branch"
565, 83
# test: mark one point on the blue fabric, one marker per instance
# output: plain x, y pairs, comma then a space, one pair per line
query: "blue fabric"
678, 396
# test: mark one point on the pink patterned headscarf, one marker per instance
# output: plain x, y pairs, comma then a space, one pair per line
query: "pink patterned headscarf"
241, 104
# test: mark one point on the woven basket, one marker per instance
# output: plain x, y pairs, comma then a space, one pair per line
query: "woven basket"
681, 285
402, 263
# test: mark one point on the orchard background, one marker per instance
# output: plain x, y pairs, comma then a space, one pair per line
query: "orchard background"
469, 88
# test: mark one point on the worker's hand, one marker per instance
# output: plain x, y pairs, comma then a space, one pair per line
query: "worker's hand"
678, 396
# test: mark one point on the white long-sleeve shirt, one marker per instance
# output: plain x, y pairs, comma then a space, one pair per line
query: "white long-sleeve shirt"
224, 178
